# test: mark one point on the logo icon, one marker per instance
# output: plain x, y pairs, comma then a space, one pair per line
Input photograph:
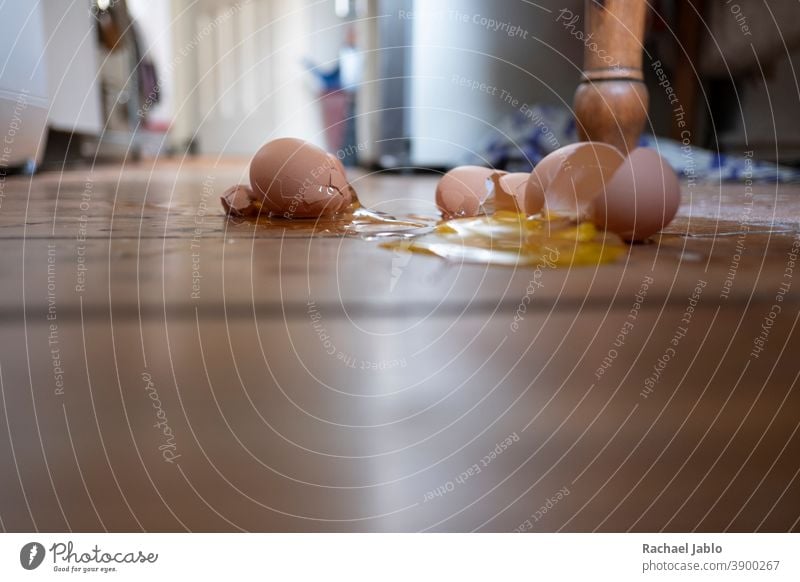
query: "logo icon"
31, 555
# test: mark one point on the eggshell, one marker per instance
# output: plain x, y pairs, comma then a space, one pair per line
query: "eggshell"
462, 190
240, 201
296, 179
340, 178
641, 198
509, 190
569, 179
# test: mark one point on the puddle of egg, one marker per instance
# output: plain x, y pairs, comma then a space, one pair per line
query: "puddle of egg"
512, 239
501, 238
356, 221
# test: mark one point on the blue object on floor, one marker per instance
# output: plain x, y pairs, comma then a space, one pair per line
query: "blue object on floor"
520, 141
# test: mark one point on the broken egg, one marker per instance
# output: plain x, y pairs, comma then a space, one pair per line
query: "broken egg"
240, 201
568, 180
296, 179
575, 208
634, 197
509, 191
461, 191
641, 198
340, 178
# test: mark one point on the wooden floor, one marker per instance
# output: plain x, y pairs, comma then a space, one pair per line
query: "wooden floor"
164, 369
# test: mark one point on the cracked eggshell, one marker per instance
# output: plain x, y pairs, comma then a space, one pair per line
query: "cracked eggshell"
568, 180
462, 190
296, 179
641, 199
340, 178
240, 201
509, 190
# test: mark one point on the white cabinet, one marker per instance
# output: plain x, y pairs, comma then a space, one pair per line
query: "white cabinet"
72, 68
23, 83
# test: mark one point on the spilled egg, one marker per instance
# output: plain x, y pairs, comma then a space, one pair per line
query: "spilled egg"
462, 191
634, 196
569, 179
295, 179
580, 203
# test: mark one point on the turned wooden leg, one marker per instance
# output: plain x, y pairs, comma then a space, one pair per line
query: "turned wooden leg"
612, 101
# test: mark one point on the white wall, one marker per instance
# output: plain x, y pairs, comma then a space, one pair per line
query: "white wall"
240, 80
71, 60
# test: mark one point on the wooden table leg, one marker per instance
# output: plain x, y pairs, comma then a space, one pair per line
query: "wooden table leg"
612, 101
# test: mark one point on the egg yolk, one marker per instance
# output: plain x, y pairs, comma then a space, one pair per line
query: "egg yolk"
512, 239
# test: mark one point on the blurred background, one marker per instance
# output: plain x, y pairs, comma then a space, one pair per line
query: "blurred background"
389, 84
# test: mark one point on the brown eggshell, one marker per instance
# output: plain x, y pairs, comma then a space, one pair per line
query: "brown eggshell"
340, 178
641, 198
548, 166
541, 177
509, 190
240, 201
462, 190
296, 179
568, 180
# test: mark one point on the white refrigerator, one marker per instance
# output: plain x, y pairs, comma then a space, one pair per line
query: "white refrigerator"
448, 72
